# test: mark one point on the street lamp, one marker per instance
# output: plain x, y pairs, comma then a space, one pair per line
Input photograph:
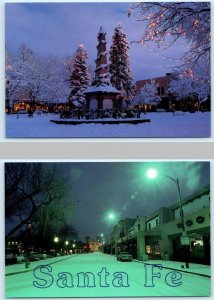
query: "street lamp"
152, 174
66, 246
56, 239
111, 216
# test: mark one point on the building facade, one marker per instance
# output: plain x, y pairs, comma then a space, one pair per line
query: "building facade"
158, 235
162, 90
168, 100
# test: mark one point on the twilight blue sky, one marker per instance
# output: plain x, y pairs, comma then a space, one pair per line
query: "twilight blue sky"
59, 28
123, 189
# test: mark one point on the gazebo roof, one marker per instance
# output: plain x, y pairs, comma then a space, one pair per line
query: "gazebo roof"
109, 89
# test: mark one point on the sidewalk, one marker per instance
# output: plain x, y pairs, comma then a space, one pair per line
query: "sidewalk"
20, 268
198, 269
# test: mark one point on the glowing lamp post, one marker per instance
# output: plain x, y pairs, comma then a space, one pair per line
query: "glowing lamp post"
66, 246
56, 239
152, 174
111, 217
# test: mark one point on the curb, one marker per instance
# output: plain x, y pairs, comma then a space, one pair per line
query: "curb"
168, 268
30, 270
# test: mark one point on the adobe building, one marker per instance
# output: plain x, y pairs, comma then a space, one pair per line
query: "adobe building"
101, 94
162, 89
168, 100
157, 236
119, 235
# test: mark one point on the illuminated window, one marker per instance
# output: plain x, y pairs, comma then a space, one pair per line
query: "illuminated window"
156, 247
148, 249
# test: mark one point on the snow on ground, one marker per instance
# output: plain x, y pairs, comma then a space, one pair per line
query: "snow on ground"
188, 125
21, 285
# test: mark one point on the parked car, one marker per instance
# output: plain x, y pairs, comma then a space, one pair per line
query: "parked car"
33, 256
124, 256
10, 259
42, 255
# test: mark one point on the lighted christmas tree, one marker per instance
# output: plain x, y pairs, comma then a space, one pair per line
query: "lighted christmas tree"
120, 72
79, 79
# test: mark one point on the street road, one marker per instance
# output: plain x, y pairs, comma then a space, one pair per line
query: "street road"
105, 277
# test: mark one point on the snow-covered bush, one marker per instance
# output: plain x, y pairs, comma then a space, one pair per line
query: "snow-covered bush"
148, 94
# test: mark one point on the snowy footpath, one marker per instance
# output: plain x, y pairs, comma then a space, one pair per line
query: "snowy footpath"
101, 275
166, 125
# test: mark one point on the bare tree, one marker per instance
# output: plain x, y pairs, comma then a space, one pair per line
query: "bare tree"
28, 188
166, 22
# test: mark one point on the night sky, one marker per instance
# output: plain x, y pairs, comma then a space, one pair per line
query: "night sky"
123, 189
59, 28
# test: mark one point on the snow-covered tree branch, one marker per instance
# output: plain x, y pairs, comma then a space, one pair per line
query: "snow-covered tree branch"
193, 83
40, 77
166, 22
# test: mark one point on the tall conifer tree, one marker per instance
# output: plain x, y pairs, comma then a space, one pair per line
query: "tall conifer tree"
120, 72
79, 79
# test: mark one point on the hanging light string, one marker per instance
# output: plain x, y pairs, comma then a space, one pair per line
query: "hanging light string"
161, 55
196, 31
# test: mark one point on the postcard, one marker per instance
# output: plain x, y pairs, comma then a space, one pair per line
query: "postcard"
107, 70
107, 229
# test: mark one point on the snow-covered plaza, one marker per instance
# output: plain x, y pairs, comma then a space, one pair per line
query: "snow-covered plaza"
162, 124
108, 278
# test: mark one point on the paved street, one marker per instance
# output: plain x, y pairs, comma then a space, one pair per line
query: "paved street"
108, 277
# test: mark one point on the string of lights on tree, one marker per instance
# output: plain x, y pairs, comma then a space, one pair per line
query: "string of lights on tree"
164, 30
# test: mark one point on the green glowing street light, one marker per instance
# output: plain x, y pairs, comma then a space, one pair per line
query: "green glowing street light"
152, 174
111, 216
66, 243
